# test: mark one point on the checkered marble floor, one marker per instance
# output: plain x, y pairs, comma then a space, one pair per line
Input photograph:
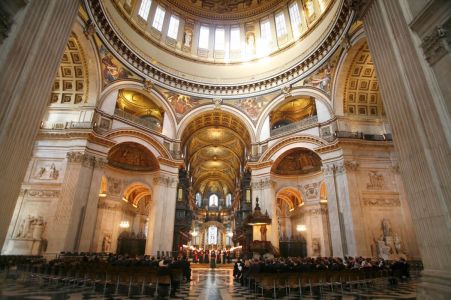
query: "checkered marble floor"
206, 284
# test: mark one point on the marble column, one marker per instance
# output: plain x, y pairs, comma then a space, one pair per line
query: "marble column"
420, 122
29, 59
162, 215
263, 188
66, 225
85, 242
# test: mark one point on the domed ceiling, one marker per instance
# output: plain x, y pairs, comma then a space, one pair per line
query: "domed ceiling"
224, 9
221, 48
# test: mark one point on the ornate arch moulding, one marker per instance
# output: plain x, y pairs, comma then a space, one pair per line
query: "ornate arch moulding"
317, 57
163, 152
269, 153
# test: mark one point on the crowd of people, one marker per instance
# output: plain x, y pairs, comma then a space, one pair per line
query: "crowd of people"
162, 264
218, 256
243, 268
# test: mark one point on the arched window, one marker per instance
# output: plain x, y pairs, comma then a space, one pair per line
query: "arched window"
229, 200
198, 199
212, 235
213, 200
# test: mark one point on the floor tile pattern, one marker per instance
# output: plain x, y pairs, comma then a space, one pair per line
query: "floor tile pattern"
206, 284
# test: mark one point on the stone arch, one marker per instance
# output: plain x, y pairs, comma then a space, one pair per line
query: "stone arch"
135, 192
291, 195
134, 135
108, 98
318, 94
195, 113
356, 91
297, 161
305, 141
132, 156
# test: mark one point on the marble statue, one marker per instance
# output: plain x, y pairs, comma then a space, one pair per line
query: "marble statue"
187, 38
106, 243
31, 228
388, 245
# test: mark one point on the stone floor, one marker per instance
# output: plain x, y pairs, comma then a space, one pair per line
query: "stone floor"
206, 284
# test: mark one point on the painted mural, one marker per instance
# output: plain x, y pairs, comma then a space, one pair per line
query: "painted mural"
112, 69
323, 77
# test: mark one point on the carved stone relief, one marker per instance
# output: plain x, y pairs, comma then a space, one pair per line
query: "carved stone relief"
45, 170
31, 228
263, 183
114, 186
437, 44
382, 202
376, 181
388, 244
351, 165
42, 193
311, 191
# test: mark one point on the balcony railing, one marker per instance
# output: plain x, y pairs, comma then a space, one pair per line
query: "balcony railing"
299, 125
364, 136
137, 120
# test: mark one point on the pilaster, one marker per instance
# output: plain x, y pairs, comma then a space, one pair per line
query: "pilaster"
71, 208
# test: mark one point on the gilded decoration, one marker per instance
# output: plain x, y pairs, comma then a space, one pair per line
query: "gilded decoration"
292, 111
362, 96
132, 156
292, 140
297, 161
141, 106
215, 144
71, 82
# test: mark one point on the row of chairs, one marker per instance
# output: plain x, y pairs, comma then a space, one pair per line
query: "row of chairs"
335, 281
106, 279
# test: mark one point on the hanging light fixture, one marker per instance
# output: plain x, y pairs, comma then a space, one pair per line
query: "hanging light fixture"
301, 228
124, 224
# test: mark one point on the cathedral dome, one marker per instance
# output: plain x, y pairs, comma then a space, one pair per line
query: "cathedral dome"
221, 48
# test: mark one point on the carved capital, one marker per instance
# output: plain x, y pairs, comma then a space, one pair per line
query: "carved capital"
87, 160
360, 7
100, 162
165, 181
263, 183
437, 44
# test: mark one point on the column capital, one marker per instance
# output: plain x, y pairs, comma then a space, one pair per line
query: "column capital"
437, 44
165, 181
263, 183
360, 7
87, 160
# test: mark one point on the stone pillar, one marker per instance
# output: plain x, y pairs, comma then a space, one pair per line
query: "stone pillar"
334, 212
263, 188
85, 242
340, 211
162, 215
29, 59
66, 226
420, 121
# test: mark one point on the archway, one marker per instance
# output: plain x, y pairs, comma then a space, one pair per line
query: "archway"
215, 146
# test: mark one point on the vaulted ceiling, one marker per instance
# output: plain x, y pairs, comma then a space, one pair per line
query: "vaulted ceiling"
215, 146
